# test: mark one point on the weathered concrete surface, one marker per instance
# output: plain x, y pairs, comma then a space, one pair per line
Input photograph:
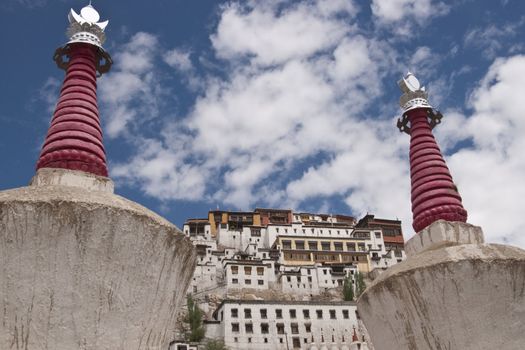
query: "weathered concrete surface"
443, 233
51, 176
461, 297
87, 270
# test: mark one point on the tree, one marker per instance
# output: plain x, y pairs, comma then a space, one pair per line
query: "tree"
194, 320
214, 344
348, 289
360, 285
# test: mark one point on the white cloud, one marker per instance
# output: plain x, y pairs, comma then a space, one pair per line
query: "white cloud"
390, 11
179, 59
132, 88
291, 121
49, 92
490, 173
269, 35
493, 39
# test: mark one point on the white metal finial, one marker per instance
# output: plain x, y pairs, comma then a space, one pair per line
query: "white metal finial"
414, 95
85, 27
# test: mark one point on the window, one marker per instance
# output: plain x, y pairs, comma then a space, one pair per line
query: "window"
287, 244
325, 245
319, 314
378, 234
266, 340
247, 281
235, 312
293, 314
350, 247
248, 327
345, 313
306, 314
247, 313
235, 270
325, 271
296, 343
260, 271
280, 328
235, 281
295, 328
264, 314
288, 279
264, 328
299, 245
260, 282
247, 270
250, 340
235, 327
312, 245
279, 313
332, 314
308, 328
338, 245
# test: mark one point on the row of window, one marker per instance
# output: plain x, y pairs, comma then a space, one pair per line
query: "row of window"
327, 246
323, 257
248, 282
247, 270
292, 313
312, 230
296, 341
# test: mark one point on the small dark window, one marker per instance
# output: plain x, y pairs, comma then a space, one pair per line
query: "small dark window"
332, 314
293, 314
264, 314
295, 328
280, 328
235, 313
296, 343
319, 314
306, 314
279, 313
247, 313
345, 313
264, 328
235, 327
248, 327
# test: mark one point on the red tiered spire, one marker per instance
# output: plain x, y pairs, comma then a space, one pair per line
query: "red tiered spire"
74, 139
434, 195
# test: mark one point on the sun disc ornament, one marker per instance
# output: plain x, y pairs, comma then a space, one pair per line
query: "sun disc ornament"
90, 14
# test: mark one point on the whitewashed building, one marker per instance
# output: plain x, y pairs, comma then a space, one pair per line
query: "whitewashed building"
284, 324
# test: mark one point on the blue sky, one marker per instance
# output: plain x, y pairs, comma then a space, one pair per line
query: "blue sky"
280, 103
